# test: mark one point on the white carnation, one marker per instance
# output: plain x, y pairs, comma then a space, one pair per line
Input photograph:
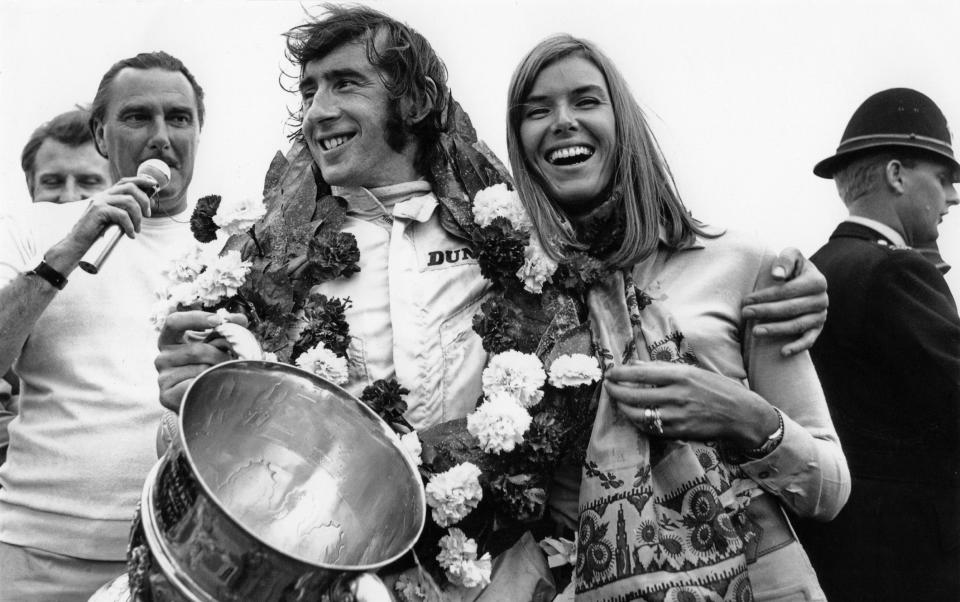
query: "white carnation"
237, 217
472, 573
538, 267
518, 374
325, 364
168, 301
454, 494
499, 424
188, 266
498, 201
412, 446
574, 370
456, 546
223, 276
199, 276
409, 588
163, 307
458, 557
182, 293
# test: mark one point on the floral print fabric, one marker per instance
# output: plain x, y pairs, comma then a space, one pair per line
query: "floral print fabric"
660, 519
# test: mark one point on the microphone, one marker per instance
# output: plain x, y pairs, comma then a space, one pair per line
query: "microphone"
98, 252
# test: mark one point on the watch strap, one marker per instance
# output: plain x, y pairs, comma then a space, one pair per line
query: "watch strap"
770, 444
55, 278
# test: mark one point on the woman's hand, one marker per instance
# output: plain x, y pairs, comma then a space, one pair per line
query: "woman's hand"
795, 307
693, 403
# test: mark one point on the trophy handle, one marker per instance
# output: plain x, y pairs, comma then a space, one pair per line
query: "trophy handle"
368, 587
242, 342
351, 587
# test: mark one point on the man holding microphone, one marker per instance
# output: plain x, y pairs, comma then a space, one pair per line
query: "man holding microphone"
83, 349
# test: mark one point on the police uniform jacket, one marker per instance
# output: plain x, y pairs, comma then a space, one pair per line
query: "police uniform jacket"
889, 363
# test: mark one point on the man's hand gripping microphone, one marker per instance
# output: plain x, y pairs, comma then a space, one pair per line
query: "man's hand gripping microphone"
97, 254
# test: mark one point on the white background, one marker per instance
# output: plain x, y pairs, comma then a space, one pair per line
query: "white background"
745, 96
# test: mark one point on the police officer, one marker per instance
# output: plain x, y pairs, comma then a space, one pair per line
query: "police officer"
889, 359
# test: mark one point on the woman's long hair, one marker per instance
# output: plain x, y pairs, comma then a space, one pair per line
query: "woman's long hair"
642, 178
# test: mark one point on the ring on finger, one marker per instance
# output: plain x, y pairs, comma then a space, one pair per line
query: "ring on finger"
652, 420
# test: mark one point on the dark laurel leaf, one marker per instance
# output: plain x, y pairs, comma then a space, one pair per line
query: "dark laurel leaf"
330, 213
458, 121
201, 222
564, 332
290, 198
461, 166
291, 224
268, 289
450, 443
473, 160
290, 203
522, 496
476, 171
274, 173
515, 321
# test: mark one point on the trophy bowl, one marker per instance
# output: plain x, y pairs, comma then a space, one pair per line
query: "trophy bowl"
279, 486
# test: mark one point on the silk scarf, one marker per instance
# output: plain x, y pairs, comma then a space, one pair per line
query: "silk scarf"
659, 519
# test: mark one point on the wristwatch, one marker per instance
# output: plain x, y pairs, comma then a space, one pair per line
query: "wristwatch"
55, 278
770, 444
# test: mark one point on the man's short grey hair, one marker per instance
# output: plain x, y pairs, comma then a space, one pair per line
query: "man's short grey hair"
866, 175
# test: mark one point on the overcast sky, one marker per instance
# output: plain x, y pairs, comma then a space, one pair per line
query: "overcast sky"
745, 96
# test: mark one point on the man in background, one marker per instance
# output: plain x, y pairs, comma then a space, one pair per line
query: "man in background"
61, 163
889, 359
84, 439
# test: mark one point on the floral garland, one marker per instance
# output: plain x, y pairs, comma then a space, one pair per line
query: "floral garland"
486, 475
212, 280
539, 394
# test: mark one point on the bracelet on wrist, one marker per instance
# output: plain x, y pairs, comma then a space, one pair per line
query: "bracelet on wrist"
44, 271
772, 442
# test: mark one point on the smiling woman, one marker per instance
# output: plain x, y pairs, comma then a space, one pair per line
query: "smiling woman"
582, 101
699, 425
569, 132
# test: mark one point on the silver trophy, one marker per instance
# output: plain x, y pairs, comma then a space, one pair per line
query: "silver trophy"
279, 486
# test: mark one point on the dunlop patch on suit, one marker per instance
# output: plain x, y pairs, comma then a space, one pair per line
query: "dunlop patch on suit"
440, 259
